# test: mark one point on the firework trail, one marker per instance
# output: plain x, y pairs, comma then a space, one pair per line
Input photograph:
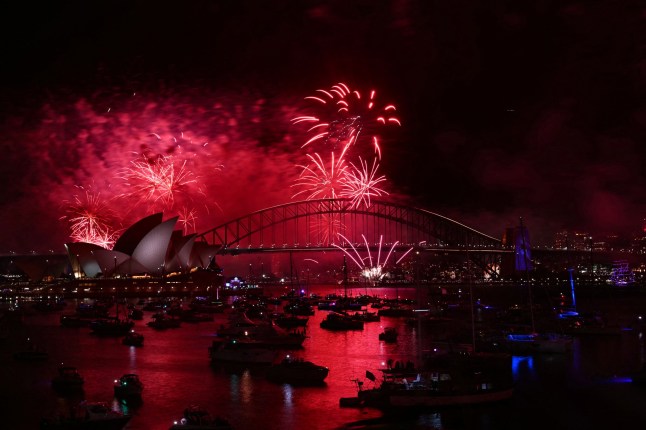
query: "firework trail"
361, 183
187, 219
327, 227
158, 179
320, 179
89, 219
374, 271
346, 117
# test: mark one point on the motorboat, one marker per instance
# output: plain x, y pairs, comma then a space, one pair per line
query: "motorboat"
265, 334
535, 343
75, 320
447, 379
162, 321
198, 418
136, 314
339, 321
132, 338
241, 351
87, 416
111, 326
128, 387
291, 321
396, 310
296, 371
366, 316
68, 379
389, 335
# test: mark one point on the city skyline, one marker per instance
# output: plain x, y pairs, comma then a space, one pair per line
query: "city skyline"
506, 112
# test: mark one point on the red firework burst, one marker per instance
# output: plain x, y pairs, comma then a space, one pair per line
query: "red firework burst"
158, 179
361, 183
320, 179
90, 219
345, 117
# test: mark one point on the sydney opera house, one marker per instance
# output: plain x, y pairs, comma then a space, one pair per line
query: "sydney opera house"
150, 251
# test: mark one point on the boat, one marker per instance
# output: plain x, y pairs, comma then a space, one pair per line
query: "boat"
339, 321
264, 334
389, 335
162, 321
447, 379
192, 316
531, 343
207, 305
128, 387
197, 418
396, 310
68, 379
241, 351
136, 314
87, 416
133, 338
291, 321
75, 320
296, 371
111, 326
366, 316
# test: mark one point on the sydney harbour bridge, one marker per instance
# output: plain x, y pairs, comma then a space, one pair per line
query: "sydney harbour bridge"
333, 224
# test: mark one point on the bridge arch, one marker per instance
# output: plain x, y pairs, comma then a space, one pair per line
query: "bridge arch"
323, 223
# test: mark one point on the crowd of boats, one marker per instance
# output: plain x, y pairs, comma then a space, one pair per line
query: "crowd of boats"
472, 366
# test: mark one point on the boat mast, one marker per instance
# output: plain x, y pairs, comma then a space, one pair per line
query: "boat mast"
116, 289
345, 278
527, 279
473, 318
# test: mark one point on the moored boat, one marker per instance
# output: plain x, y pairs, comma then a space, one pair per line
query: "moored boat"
263, 334
132, 338
296, 371
446, 380
75, 320
68, 379
241, 351
128, 387
389, 335
162, 321
111, 326
339, 321
535, 343
291, 321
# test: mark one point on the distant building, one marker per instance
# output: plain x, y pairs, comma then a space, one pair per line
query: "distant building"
573, 241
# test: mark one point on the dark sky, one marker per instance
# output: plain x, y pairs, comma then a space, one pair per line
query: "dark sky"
508, 108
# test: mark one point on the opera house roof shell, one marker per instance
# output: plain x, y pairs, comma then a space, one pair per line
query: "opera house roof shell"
151, 246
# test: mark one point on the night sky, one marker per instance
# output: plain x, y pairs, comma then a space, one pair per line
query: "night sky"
508, 108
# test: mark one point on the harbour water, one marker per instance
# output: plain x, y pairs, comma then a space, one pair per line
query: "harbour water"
588, 387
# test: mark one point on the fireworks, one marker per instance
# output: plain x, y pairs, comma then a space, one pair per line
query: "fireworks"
322, 180
360, 184
374, 271
346, 119
187, 219
89, 219
158, 178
